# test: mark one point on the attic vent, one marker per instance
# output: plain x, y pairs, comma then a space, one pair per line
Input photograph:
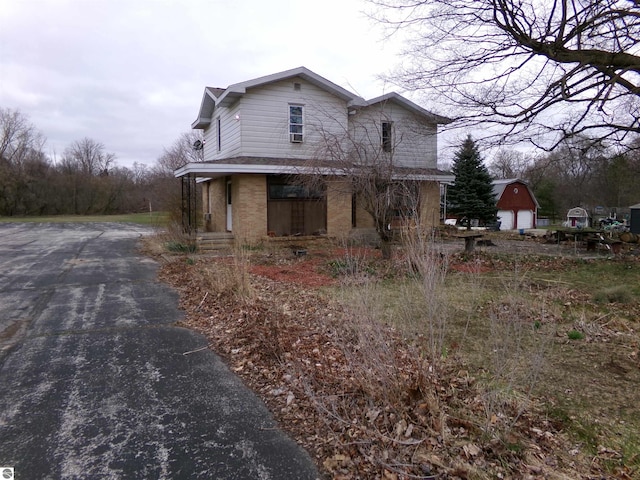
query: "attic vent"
297, 86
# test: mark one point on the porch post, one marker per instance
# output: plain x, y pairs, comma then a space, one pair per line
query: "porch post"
189, 204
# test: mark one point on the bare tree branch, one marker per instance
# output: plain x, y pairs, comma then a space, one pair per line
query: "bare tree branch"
545, 70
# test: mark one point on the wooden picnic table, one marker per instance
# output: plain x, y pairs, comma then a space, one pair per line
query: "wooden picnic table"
592, 237
469, 240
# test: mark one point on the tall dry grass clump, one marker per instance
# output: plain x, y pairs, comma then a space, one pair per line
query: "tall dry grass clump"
382, 362
227, 277
516, 350
170, 239
429, 266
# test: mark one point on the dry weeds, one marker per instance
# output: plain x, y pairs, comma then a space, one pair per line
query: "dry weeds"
372, 399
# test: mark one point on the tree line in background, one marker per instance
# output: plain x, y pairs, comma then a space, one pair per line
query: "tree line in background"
580, 172
85, 180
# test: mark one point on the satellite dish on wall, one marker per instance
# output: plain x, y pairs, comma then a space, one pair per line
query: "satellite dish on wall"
197, 145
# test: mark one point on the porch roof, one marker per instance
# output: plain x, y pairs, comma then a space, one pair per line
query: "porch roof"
289, 166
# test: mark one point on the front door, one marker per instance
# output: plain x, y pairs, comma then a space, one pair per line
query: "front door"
229, 219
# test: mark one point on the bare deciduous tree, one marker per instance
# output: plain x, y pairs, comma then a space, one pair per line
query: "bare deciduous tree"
18, 137
369, 170
85, 179
568, 174
508, 163
165, 192
182, 151
23, 165
540, 70
89, 156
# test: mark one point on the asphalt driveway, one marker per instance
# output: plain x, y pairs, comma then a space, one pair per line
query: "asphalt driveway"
96, 381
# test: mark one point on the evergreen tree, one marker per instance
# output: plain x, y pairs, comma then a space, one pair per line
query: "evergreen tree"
471, 194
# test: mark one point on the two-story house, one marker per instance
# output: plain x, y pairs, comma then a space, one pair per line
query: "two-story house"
263, 136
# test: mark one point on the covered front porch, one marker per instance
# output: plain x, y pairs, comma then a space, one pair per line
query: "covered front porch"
266, 200
258, 201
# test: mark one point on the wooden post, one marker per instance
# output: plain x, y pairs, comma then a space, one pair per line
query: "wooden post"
469, 243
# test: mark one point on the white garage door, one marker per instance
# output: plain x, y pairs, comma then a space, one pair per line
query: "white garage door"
506, 219
525, 219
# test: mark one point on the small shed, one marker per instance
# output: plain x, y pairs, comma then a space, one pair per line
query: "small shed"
634, 219
577, 217
517, 205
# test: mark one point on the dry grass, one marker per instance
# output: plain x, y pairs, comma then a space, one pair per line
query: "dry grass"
423, 367
170, 240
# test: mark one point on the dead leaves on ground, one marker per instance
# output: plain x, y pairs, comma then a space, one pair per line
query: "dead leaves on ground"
294, 348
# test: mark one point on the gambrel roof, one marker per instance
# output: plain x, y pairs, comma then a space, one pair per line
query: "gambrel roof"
500, 185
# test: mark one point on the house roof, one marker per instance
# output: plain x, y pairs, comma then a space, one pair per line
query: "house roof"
288, 166
224, 96
238, 89
577, 212
409, 105
215, 91
500, 185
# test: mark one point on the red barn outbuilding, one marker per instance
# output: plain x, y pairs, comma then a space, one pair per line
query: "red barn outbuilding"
517, 206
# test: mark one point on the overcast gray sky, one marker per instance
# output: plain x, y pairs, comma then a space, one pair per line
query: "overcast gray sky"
131, 73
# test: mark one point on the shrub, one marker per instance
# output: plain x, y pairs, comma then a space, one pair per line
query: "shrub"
179, 247
615, 294
575, 335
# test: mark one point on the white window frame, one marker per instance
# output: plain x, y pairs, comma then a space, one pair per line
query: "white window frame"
296, 129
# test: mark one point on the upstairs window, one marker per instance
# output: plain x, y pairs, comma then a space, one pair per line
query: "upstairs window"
387, 140
219, 133
296, 124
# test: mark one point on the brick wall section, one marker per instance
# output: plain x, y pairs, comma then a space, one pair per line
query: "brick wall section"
429, 208
338, 207
249, 204
363, 218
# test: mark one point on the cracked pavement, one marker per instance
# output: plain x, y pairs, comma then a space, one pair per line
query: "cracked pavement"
98, 382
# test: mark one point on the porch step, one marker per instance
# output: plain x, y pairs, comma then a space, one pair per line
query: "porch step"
207, 241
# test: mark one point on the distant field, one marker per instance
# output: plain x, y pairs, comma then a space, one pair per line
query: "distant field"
155, 218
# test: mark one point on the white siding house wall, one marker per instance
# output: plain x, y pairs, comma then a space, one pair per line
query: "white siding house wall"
209, 136
230, 134
265, 119
414, 142
257, 125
